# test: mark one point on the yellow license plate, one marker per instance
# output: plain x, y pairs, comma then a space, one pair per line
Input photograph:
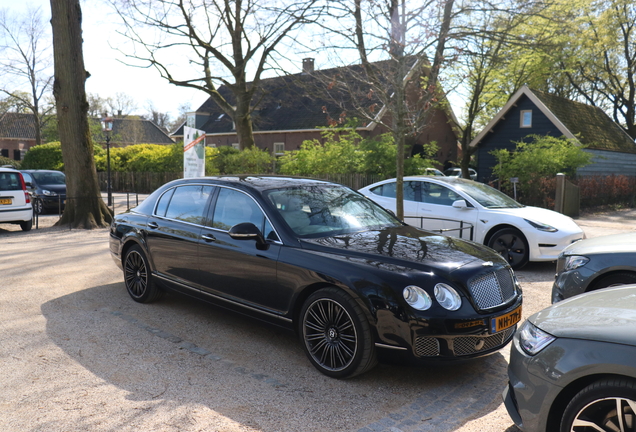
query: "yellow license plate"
5, 201
503, 322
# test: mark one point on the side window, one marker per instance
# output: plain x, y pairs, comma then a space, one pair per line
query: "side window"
162, 205
410, 190
234, 207
27, 178
438, 194
188, 203
385, 190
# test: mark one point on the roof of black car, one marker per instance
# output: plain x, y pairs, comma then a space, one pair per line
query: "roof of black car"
263, 182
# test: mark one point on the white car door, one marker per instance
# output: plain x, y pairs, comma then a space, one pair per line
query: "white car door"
437, 211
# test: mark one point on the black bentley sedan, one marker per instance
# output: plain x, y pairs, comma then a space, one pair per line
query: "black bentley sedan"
323, 260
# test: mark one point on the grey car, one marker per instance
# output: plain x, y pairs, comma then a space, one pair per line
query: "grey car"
595, 263
573, 365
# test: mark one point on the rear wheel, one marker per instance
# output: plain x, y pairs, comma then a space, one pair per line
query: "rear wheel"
512, 245
138, 278
26, 225
613, 280
605, 405
336, 334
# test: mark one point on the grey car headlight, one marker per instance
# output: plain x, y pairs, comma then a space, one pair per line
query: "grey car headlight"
541, 226
532, 339
447, 297
417, 297
48, 192
574, 261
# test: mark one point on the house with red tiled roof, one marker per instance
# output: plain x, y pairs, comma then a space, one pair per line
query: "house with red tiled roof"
17, 134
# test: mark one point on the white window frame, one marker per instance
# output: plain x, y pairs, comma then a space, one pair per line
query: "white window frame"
522, 122
277, 148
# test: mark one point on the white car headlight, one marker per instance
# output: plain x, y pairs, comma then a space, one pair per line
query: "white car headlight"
48, 192
532, 339
574, 261
417, 297
541, 226
447, 297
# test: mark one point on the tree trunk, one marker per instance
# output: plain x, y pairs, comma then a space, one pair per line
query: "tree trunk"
84, 206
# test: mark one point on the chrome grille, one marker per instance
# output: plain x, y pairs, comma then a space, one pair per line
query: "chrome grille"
492, 289
426, 347
467, 345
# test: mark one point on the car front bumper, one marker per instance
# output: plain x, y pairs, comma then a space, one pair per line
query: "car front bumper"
545, 246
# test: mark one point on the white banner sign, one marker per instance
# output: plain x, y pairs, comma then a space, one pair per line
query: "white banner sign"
193, 152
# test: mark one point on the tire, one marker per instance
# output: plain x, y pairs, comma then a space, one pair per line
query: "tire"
26, 225
336, 335
595, 407
38, 207
138, 277
613, 280
512, 245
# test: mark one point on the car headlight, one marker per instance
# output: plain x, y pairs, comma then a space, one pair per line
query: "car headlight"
541, 226
48, 192
532, 339
447, 297
574, 261
417, 297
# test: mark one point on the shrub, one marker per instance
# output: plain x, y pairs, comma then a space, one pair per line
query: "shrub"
8, 161
44, 156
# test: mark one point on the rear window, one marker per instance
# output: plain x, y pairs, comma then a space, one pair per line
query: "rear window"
10, 181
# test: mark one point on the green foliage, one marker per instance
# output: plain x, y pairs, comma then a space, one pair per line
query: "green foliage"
345, 151
249, 161
543, 157
8, 161
44, 156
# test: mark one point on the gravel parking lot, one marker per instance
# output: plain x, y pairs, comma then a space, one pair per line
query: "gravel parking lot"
76, 353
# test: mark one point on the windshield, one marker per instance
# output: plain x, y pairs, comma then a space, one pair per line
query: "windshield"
49, 178
487, 196
325, 210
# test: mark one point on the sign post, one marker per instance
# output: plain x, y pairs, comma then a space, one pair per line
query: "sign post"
514, 181
193, 152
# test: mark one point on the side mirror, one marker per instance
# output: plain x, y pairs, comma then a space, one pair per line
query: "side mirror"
460, 204
248, 231
28, 184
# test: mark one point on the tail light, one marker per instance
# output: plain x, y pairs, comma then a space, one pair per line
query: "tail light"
27, 197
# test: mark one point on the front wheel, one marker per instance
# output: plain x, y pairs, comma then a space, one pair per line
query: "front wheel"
336, 335
605, 405
512, 245
38, 207
614, 280
138, 278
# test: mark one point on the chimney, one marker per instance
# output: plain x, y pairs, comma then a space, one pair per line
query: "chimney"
308, 65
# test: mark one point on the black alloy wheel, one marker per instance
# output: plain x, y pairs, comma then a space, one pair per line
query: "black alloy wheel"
607, 405
38, 207
138, 278
336, 335
512, 245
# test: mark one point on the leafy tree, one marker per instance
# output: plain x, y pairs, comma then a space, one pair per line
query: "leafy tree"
543, 156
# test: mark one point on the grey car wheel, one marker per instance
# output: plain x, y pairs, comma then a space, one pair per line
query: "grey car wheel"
138, 278
336, 335
38, 207
606, 405
613, 280
512, 245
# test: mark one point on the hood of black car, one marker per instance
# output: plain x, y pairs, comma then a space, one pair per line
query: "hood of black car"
406, 245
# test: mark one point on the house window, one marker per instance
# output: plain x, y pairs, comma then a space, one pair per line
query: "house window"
236, 146
279, 148
526, 119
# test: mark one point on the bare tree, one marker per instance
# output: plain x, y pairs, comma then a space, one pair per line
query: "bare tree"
225, 41
121, 104
84, 207
401, 47
26, 59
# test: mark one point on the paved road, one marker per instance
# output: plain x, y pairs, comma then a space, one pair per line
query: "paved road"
77, 354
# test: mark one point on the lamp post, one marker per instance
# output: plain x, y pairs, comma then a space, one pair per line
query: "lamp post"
107, 128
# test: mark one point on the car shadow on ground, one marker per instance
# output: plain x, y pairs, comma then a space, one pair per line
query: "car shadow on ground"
182, 353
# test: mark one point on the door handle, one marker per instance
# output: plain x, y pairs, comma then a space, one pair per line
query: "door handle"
208, 237
153, 225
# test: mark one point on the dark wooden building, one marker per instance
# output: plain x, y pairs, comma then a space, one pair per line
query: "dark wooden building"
531, 112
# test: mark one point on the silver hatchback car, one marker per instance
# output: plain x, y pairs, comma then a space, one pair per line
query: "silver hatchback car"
573, 365
15, 203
